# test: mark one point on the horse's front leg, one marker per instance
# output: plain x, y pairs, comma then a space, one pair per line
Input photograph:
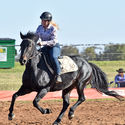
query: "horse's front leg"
65, 96
40, 95
20, 92
11, 115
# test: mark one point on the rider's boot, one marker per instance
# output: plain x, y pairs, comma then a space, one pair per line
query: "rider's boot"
58, 78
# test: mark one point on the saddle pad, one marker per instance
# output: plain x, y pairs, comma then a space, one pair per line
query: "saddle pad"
67, 65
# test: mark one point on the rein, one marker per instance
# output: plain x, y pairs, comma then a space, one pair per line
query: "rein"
36, 53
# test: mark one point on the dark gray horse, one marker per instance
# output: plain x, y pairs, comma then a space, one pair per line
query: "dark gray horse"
37, 77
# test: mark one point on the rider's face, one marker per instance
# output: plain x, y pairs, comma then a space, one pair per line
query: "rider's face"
121, 73
45, 23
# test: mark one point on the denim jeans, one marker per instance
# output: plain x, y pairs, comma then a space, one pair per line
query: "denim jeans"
54, 53
121, 84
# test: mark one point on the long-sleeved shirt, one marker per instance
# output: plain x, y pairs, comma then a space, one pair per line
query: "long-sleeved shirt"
48, 36
118, 78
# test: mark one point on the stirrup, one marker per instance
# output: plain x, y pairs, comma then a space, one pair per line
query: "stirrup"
58, 79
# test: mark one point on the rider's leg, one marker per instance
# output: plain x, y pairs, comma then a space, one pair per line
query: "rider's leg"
54, 53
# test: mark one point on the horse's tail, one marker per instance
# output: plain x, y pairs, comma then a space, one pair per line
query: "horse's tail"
100, 82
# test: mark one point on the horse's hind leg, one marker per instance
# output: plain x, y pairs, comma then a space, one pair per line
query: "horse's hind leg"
81, 98
40, 95
65, 96
20, 92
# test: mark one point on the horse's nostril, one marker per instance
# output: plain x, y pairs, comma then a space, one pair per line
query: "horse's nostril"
24, 61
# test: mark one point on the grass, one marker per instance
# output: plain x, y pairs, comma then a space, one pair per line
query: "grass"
11, 79
110, 67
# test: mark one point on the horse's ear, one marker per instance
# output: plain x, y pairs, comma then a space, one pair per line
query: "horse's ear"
21, 35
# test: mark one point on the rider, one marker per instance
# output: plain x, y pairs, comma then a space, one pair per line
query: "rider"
120, 78
47, 32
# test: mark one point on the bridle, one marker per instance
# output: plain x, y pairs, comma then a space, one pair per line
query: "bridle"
31, 56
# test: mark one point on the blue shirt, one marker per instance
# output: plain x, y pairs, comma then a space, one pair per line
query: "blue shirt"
118, 78
48, 36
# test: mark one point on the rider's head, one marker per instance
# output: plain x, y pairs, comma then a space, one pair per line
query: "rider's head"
46, 18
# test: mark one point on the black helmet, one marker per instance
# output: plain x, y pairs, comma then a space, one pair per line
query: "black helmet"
46, 16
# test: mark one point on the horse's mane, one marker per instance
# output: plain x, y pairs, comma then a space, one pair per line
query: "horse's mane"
32, 36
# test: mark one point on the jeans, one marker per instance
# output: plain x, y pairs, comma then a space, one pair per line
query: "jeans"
53, 52
121, 84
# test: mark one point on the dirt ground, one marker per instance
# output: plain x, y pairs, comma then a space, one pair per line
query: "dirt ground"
107, 112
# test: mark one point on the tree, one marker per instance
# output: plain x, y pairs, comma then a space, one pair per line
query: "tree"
89, 53
69, 50
114, 52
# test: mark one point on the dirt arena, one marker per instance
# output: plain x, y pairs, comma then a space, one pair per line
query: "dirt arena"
107, 112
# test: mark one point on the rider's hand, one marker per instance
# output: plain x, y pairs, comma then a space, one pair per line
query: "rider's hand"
40, 43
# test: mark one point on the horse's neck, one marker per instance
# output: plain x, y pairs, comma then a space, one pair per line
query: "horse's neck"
36, 65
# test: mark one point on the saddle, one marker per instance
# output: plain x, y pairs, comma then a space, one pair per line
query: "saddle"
66, 64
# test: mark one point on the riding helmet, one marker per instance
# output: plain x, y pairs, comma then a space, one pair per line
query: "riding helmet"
46, 16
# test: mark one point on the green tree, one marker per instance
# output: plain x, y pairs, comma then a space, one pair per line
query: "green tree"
114, 52
69, 50
89, 53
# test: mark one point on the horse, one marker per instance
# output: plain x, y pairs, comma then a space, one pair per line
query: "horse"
37, 77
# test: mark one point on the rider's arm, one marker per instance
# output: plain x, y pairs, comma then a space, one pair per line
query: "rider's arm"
52, 39
116, 79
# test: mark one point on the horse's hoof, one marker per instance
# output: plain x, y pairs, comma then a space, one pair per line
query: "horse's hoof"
55, 123
71, 116
48, 111
11, 116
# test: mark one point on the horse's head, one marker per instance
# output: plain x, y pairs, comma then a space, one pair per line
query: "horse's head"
27, 46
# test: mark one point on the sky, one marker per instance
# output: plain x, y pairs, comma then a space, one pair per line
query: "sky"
80, 21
